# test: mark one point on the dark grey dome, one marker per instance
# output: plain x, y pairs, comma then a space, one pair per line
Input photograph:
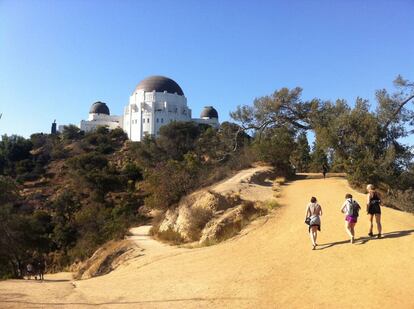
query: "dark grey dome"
209, 112
99, 108
159, 84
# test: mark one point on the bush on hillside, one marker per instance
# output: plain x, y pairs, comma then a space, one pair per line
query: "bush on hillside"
403, 200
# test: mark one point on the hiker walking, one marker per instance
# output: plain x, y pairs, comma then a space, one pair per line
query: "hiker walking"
351, 210
41, 267
29, 270
374, 209
324, 170
312, 218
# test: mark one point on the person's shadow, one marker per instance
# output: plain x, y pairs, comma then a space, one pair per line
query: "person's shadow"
363, 240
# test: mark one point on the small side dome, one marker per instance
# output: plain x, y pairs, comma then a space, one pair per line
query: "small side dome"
209, 112
99, 108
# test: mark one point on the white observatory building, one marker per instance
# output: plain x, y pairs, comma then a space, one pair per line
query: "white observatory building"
156, 101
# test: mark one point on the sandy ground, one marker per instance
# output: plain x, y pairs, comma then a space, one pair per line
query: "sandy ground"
269, 266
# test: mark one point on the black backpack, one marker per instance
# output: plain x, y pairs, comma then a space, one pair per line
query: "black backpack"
354, 208
374, 201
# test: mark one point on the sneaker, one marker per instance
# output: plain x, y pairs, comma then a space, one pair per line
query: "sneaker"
379, 236
370, 234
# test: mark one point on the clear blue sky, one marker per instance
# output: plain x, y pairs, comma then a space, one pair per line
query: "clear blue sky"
58, 57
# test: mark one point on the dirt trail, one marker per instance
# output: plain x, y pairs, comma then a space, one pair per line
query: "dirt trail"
272, 266
152, 250
249, 190
141, 236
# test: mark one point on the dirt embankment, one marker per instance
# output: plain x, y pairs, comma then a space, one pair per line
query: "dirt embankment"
216, 213
106, 259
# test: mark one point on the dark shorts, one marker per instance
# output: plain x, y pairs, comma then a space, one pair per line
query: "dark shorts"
374, 209
319, 227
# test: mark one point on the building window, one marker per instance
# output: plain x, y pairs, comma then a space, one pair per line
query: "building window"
157, 120
162, 120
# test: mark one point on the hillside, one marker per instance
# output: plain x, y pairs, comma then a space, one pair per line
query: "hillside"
64, 195
271, 265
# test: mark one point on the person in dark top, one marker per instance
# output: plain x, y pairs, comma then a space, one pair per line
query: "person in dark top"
324, 170
374, 209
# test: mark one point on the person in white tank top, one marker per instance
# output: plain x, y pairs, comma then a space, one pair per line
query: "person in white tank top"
313, 212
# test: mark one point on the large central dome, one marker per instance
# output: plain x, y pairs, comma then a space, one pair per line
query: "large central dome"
159, 84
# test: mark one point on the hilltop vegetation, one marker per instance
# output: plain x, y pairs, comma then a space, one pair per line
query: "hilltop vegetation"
364, 143
65, 195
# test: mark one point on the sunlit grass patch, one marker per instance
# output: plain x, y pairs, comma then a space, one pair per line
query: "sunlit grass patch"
280, 180
271, 204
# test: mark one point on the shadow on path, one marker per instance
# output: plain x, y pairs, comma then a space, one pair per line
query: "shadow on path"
200, 299
363, 240
301, 176
398, 234
44, 280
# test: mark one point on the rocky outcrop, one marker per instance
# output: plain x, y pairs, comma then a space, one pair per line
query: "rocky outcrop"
219, 212
229, 223
106, 259
185, 223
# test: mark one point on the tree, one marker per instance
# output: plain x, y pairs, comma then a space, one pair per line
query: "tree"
392, 108
319, 159
8, 190
301, 155
64, 209
178, 138
13, 149
71, 132
96, 174
39, 139
171, 180
279, 115
283, 108
21, 233
276, 148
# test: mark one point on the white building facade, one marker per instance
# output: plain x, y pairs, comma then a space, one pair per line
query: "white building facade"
99, 115
156, 101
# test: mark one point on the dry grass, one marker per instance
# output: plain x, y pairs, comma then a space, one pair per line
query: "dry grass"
277, 195
280, 180
169, 236
271, 204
